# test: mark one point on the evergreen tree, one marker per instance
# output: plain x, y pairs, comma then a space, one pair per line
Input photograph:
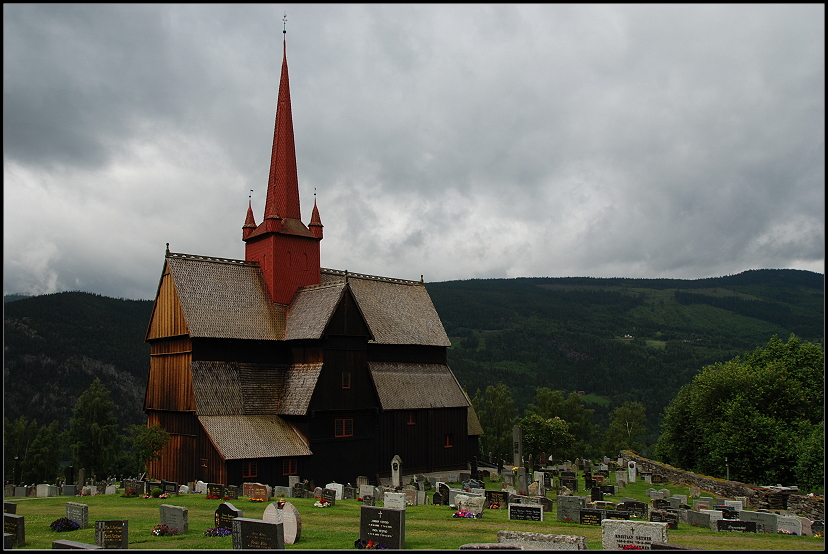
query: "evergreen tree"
553, 403
17, 438
93, 432
42, 464
496, 411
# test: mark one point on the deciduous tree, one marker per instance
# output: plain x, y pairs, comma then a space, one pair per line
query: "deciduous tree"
496, 412
93, 432
549, 435
627, 423
42, 463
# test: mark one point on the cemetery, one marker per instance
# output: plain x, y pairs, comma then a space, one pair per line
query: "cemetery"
420, 512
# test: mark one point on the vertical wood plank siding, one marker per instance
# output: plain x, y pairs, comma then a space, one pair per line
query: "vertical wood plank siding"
178, 461
170, 382
216, 470
167, 314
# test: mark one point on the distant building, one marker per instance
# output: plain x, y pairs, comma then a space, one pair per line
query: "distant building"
272, 366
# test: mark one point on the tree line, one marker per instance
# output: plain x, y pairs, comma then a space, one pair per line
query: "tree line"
759, 417
92, 441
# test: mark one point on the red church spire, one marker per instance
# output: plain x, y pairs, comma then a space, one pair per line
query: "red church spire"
315, 224
283, 183
250, 221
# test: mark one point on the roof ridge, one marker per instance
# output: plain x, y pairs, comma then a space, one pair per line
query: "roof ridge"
196, 257
351, 275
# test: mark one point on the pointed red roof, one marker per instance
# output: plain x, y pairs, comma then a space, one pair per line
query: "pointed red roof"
283, 183
315, 224
250, 221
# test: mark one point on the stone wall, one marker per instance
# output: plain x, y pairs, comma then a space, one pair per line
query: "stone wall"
812, 507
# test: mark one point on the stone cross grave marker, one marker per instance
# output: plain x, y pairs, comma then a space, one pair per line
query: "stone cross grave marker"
175, 517
112, 533
79, 513
396, 471
517, 439
616, 534
225, 514
383, 526
256, 533
631, 472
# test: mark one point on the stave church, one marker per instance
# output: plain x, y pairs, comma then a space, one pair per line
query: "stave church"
273, 366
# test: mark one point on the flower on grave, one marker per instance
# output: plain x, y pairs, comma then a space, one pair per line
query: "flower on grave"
64, 524
494, 506
212, 497
217, 532
322, 503
631, 547
696, 523
362, 543
255, 499
226, 498
360, 499
165, 495
163, 530
130, 493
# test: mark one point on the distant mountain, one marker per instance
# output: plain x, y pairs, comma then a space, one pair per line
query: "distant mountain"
622, 339
615, 339
56, 344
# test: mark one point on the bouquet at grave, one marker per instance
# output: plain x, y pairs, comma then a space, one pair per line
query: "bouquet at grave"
130, 493
362, 543
252, 499
631, 547
64, 524
322, 503
466, 513
163, 530
214, 497
163, 495
217, 532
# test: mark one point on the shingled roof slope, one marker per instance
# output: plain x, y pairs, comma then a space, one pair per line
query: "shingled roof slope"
254, 436
225, 298
311, 310
396, 311
300, 382
407, 386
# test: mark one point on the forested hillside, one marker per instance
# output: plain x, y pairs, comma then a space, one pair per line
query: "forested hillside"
56, 344
620, 339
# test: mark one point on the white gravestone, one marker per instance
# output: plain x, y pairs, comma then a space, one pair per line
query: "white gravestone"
337, 487
617, 533
395, 500
631, 471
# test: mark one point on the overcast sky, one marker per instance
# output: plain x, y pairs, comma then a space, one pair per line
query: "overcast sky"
450, 141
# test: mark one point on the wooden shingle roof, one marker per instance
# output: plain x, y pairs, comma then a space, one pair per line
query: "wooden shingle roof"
254, 436
300, 382
225, 298
411, 386
396, 311
311, 310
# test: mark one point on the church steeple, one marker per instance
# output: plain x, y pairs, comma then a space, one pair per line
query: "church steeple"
285, 249
283, 183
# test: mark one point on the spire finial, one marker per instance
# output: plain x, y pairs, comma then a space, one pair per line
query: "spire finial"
284, 24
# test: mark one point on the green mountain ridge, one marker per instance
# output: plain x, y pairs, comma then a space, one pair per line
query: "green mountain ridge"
614, 338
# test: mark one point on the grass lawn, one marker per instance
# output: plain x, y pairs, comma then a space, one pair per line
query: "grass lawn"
337, 527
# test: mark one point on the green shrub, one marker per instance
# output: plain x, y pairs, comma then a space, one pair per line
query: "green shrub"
156, 492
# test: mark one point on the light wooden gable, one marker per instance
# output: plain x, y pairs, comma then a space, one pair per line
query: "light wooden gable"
167, 315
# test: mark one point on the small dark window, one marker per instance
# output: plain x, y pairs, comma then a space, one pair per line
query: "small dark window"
344, 427
290, 467
250, 469
449, 441
412, 418
346, 379
203, 462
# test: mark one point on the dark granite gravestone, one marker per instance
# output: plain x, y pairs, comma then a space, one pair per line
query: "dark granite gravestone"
698, 519
348, 493
112, 533
175, 517
382, 526
225, 514
232, 492
727, 512
596, 494
443, 489
299, 490
215, 489
140, 488
735, 525
616, 514
765, 522
501, 498
169, 487
670, 518
636, 509
329, 495
526, 512
79, 513
570, 482
818, 527
591, 517
660, 504
569, 508
15, 525
69, 490
9, 508
257, 534
368, 499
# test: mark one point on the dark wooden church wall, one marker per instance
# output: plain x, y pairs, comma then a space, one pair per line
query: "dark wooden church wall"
245, 351
408, 353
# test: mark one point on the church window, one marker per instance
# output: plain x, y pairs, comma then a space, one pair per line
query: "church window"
346, 379
290, 466
412, 418
287, 259
449, 441
344, 427
203, 462
250, 469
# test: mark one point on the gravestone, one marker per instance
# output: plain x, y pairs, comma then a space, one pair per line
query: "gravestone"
170, 487
337, 488
522, 481
348, 493
258, 491
637, 509
15, 525
570, 482
715, 515
569, 508
789, 524
616, 514
42, 491
615, 535
225, 514
396, 471
183, 489
727, 512
499, 498
383, 526
660, 503
73, 545
79, 513
19, 491
329, 495
648, 476
590, 517
517, 438
742, 499
525, 512
139, 488
394, 500
175, 517
736, 526
473, 504
257, 534
201, 487
410, 497
765, 522
112, 533
362, 480
368, 499
289, 517
817, 528
112, 489
538, 541
596, 494
298, 490
631, 472
695, 491
670, 518
215, 489
9, 507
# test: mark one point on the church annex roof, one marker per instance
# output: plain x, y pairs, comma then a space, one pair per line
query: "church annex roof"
412, 386
254, 436
224, 298
396, 311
